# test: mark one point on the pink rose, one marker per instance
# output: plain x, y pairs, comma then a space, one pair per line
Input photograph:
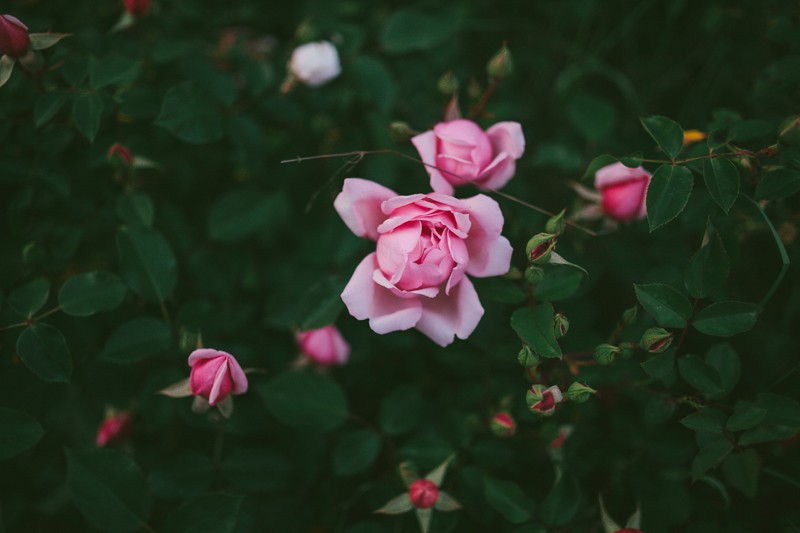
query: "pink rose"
426, 244
423, 493
215, 375
324, 346
14, 40
623, 191
466, 154
115, 429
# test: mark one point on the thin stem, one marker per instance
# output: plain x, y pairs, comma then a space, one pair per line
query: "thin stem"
697, 158
219, 442
477, 109
48, 313
12, 326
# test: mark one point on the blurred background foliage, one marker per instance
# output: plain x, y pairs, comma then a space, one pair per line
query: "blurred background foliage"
249, 249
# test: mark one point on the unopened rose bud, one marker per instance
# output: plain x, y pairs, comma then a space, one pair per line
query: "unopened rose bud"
560, 325
315, 64
790, 132
527, 357
579, 392
630, 315
500, 65
540, 247
605, 354
120, 155
324, 346
556, 224
137, 8
448, 84
423, 494
534, 275
503, 425
14, 40
656, 340
115, 429
400, 132
543, 401
215, 375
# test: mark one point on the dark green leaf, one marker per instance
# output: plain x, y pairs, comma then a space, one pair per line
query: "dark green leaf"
257, 469
375, 81
562, 503
724, 319
137, 339
182, 476
210, 513
766, 434
241, 213
109, 489
18, 432
722, 179
499, 290
190, 116
305, 400
507, 498
668, 306
87, 110
597, 163
29, 298
781, 410
709, 266
711, 455
47, 105
707, 419
699, 375
667, 133
44, 351
135, 209
778, 184
355, 452
321, 304
559, 283
91, 292
745, 417
741, 471
593, 117
668, 194
660, 365
402, 410
408, 30
147, 262
535, 328
726, 362
113, 71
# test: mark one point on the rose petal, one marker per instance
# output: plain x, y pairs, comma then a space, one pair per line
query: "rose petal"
507, 137
238, 375
616, 173
489, 252
625, 200
451, 315
222, 384
425, 143
359, 205
204, 353
499, 172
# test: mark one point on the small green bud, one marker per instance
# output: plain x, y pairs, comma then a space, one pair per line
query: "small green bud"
579, 393
790, 132
474, 89
534, 275
448, 84
503, 425
527, 357
630, 315
560, 325
400, 132
500, 65
556, 224
605, 354
627, 350
540, 247
656, 340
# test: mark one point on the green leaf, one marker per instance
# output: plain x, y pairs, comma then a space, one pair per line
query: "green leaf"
667, 133
660, 365
113, 71
507, 498
47, 105
190, 116
242, 213
321, 304
778, 184
699, 375
558, 284
91, 292
668, 194
44, 351
305, 400
741, 470
210, 513
137, 339
499, 290
745, 417
597, 163
711, 455
185, 475
409, 30
592, 117
87, 110
29, 298
18, 432
724, 319
781, 251
724, 359
535, 328
722, 179
402, 410
707, 419
147, 262
762, 434
135, 210
257, 469
355, 452
709, 266
669, 307
109, 489
562, 503
781, 410
375, 82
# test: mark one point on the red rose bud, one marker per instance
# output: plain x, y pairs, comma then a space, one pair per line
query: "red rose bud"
543, 401
503, 425
423, 494
656, 340
137, 8
579, 393
560, 325
115, 429
540, 248
500, 65
534, 275
556, 224
121, 155
14, 40
605, 354
527, 357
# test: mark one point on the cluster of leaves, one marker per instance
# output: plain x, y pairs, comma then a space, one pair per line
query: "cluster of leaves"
110, 274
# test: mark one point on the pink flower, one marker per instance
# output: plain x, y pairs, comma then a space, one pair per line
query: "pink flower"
426, 244
115, 429
466, 154
623, 191
315, 64
215, 375
324, 346
544, 401
423, 494
120, 153
14, 40
137, 8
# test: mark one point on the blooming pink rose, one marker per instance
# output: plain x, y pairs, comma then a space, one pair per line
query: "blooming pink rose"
623, 191
463, 153
423, 494
324, 346
115, 429
215, 375
14, 40
426, 244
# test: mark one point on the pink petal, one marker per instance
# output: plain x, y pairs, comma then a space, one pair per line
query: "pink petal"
238, 376
499, 172
489, 252
359, 205
222, 384
507, 137
625, 200
616, 173
425, 143
451, 315
386, 312
204, 353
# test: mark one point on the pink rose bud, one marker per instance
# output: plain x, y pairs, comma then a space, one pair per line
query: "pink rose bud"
324, 346
503, 425
14, 40
115, 429
459, 152
120, 154
623, 191
215, 375
423, 494
544, 402
563, 433
137, 8
540, 248
315, 64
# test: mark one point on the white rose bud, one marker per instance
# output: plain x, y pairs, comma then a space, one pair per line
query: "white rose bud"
315, 63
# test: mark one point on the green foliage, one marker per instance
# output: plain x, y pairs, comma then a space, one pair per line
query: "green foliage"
18, 432
668, 194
